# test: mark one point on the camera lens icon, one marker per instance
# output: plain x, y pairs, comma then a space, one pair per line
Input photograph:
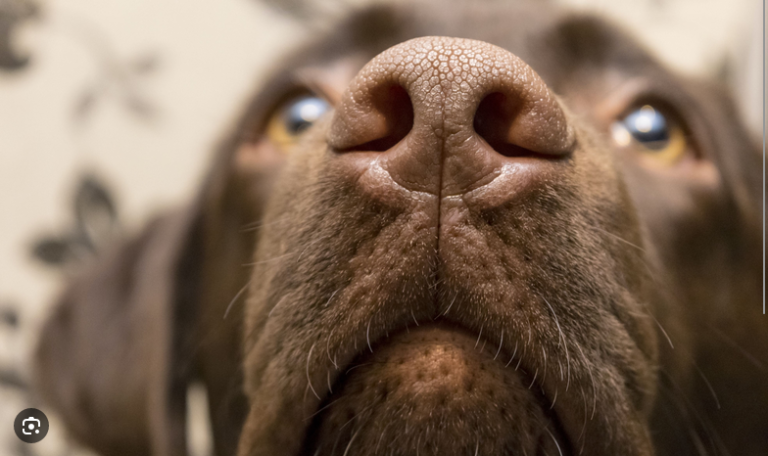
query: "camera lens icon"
31, 425
34, 425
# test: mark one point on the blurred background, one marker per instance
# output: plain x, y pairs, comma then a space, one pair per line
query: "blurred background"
109, 111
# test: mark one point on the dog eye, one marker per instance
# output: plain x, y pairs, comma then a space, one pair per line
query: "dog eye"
653, 133
293, 117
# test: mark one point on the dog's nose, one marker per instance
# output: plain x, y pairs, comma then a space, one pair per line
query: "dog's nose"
444, 115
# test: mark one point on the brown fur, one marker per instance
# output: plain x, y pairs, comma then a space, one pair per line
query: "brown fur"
592, 304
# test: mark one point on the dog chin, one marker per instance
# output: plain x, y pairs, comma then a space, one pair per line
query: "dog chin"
435, 390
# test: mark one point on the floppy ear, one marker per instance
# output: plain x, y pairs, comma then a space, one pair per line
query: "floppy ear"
112, 358
126, 338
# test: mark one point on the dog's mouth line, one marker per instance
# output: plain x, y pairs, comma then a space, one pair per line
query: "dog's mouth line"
500, 355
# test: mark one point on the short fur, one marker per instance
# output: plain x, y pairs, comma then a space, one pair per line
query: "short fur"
628, 294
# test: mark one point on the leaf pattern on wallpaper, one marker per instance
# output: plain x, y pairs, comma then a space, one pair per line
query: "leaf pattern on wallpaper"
94, 225
12, 14
121, 81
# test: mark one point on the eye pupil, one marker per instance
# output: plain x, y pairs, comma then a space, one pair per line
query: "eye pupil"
652, 133
649, 127
303, 112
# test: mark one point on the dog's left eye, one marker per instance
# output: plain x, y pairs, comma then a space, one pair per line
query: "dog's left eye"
653, 133
293, 117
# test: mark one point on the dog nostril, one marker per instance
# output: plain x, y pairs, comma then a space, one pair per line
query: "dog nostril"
493, 121
393, 104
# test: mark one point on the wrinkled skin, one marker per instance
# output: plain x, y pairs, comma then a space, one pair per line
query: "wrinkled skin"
457, 259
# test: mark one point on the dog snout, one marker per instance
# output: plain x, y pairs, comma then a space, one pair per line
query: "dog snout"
445, 115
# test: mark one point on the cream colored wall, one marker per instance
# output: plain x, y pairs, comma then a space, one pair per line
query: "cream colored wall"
210, 54
692, 35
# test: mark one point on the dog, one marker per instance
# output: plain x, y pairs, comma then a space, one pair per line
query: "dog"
475, 229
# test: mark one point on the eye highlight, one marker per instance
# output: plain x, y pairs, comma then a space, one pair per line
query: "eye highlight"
652, 133
293, 117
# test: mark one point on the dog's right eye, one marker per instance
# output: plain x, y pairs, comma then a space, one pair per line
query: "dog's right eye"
294, 117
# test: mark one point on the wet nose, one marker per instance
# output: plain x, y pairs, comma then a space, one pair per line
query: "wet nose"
444, 115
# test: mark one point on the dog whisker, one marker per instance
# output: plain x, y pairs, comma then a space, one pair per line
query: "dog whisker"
534, 379
321, 409
584, 425
689, 414
355, 367
328, 349
562, 340
232, 302
449, 307
519, 360
749, 356
355, 416
349, 445
663, 331
331, 297
559, 450
618, 238
554, 399
282, 299
478, 337
381, 436
414, 318
309, 380
591, 376
709, 385
501, 342
511, 358
368, 336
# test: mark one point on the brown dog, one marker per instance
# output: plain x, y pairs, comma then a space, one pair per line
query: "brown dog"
517, 234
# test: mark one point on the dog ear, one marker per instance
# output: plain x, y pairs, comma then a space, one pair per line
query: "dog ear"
117, 354
109, 359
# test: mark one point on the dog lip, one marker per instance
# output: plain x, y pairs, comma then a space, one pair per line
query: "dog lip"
515, 361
